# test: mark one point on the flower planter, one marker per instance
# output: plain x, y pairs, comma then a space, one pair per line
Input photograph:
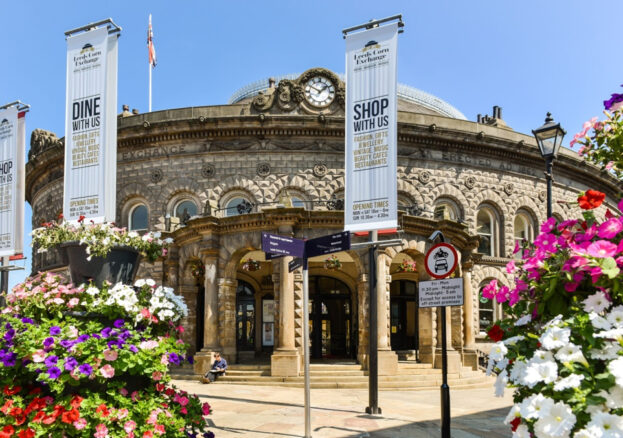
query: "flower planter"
119, 265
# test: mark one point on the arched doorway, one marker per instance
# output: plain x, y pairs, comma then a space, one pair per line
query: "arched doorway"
404, 316
332, 319
245, 319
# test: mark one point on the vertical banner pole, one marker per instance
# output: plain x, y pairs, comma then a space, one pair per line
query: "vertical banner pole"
373, 354
149, 66
306, 348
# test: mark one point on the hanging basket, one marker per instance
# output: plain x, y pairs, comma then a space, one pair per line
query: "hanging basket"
332, 263
119, 265
251, 265
407, 266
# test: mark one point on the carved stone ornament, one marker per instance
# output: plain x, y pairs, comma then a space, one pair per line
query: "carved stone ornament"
542, 196
424, 176
263, 169
40, 140
156, 176
320, 169
470, 182
289, 94
509, 188
264, 100
207, 170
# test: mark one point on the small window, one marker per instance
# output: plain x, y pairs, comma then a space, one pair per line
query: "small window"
485, 312
237, 206
298, 202
138, 220
524, 230
185, 210
446, 210
487, 228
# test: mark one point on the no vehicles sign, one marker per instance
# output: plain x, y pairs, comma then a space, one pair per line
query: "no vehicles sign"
437, 293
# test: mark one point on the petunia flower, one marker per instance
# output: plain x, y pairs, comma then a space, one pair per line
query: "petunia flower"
602, 249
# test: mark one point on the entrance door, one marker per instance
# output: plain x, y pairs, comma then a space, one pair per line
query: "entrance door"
331, 319
200, 317
404, 315
245, 317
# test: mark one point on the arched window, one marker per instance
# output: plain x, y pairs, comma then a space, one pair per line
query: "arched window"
486, 311
524, 228
292, 198
237, 206
138, 218
487, 227
446, 209
185, 209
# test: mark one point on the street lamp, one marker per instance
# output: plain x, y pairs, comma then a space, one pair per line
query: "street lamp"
549, 139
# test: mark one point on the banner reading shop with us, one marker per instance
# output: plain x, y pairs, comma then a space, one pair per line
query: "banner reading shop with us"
91, 126
371, 124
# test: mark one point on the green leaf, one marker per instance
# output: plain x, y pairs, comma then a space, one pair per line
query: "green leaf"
594, 400
557, 305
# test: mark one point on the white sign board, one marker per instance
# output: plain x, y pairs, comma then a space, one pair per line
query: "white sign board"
371, 124
11, 181
438, 293
91, 126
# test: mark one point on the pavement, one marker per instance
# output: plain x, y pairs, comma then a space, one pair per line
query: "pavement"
264, 411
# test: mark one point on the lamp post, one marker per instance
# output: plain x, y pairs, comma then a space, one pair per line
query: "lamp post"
549, 139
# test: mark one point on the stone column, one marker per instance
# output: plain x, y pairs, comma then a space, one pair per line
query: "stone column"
205, 357
227, 317
388, 360
470, 356
363, 324
285, 360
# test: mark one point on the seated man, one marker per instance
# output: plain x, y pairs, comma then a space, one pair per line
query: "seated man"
218, 368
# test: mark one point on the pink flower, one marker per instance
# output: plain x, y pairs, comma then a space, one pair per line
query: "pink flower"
610, 165
129, 426
110, 355
134, 396
107, 371
183, 401
159, 429
513, 297
490, 290
164, 360
602, 249
546, 242
574, 262
205, 408
156, 375
122, 413
571, 287
595, 273
502, 295
548, 225
124, 392
101, 431
510, 267
38, 356
73, 302
184, 410
80, 423
610, 228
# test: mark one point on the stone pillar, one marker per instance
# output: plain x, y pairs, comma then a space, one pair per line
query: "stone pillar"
227, 318
205, 357
470, 356
388, 360
285, 360
427, 334
363, 320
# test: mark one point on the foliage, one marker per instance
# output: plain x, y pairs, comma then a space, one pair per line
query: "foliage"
98, 238
332, 262
407, 266
561, 345
251, 265
93, 362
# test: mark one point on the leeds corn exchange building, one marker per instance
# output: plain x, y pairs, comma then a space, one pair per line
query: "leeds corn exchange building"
272, 160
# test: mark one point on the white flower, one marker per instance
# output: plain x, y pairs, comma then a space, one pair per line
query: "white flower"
522, 432
554, 322
168, 240
614, 397
571, 353
150, 282
555, 337
518, 371
523, 320
140, 282
596, 409
616, 369
609, 425
599, 322
513, 413
513, 340
608, 352
92, 290
541, 356
498, 351
596, 303
585, 433
558, 423
616, 333
615, 317
536, 406
571, 381
546, 372
500, 383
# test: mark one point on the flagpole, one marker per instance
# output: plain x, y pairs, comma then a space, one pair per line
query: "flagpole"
150, 67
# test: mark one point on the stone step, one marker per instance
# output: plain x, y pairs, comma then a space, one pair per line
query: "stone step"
414, 380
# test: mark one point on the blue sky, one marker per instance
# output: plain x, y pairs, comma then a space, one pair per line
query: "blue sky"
528, 57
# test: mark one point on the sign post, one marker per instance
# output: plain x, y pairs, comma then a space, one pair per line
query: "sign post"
441, 261
274, 246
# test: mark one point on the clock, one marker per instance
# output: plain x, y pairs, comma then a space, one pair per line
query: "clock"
319, 91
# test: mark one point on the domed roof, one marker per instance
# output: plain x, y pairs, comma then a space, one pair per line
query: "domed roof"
405, 93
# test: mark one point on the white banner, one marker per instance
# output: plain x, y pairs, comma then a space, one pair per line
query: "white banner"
91, 126
371, 124
8, 180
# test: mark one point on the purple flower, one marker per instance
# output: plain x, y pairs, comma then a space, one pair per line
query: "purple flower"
50, 361
54, 372
85, 369
67, 343
48, 342
105, 332
8, 326
614, 98
125, 335
118, 343
70, 363
119, 323
96, 336
8, 336
191, 359
82, 338
174, 358
9, 359
133, 349
27, 321
55, 330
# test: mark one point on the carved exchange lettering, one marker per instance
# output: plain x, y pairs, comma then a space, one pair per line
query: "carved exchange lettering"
486, 162
159, 151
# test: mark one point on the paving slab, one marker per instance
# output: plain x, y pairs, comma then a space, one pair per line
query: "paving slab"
264, 411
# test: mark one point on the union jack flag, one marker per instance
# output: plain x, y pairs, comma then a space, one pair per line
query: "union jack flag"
150, 45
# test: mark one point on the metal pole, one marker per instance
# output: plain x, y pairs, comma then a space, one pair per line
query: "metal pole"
373, 354
306, 348
445, 389
548, 176
150, 67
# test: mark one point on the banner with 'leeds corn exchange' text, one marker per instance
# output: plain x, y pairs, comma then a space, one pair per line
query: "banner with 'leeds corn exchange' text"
91, 126
12, 160
370, 162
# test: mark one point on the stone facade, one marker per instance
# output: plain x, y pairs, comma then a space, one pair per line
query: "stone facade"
285, 158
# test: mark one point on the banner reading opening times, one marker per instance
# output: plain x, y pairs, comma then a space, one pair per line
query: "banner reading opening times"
91, 126
370, 162
12, 174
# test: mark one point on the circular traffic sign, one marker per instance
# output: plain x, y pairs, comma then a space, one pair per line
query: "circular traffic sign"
441, 260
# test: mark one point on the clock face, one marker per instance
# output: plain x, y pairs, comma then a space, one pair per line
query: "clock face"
319, 91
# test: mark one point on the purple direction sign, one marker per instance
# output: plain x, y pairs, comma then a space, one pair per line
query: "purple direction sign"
328, 244
282, 245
